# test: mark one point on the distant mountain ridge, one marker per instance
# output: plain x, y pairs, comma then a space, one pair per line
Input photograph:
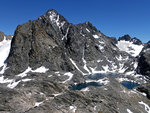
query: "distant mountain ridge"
8, 37
133, 40
133, 46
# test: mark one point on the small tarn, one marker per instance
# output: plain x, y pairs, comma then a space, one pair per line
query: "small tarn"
84, 85
129, 85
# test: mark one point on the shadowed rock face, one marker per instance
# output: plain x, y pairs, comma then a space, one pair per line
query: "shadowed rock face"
145, 89
68, 52
136, 41
125, 37
144, 61
38, 43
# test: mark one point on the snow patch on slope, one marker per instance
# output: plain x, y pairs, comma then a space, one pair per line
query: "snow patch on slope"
85, 63
129, 111
87, 30
85, 89
73, 62
95, 36
3, 69
12, 83
147, 108
4, 50
41, 69
70, 75
129, 47
73, 108
3, 80
103, 81
38, 104
23, 74
55, 18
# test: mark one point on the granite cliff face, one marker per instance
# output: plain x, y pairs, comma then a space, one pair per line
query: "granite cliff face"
57, 67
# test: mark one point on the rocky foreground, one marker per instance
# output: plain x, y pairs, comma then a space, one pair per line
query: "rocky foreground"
56, 67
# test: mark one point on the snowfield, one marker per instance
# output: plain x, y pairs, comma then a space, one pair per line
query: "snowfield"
4, 50
129, 47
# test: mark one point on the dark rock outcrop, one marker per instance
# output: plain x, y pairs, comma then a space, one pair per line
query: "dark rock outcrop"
144, 61
125, 37
134, 40
145, 89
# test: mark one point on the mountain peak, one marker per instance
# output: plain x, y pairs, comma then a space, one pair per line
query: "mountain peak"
148, 42
52, 10
125, 37
54, 18
52, 13
134, 40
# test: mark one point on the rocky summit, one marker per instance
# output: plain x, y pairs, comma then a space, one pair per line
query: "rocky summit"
53, 66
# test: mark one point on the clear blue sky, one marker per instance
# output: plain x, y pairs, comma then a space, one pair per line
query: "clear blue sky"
112, 17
